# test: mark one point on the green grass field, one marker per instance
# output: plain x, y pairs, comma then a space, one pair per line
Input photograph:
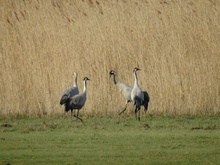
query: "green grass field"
110, 140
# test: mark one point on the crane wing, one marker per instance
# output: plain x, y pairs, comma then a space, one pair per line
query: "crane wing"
146, 100
75, 100
68, 93
78, 101
64, 98
72, 91
122, 86
125, 90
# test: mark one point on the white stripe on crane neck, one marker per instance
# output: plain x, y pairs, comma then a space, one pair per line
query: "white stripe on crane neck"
135, 79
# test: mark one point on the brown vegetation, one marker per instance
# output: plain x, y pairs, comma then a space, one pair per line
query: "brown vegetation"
175, 43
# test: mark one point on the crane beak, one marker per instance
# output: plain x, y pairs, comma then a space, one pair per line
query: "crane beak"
110, 73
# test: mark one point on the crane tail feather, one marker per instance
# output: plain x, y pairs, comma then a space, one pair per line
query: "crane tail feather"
64, 99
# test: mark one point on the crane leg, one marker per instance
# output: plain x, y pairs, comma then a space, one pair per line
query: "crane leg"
76, 116
71, 114
137, 114
145, 108
139, 118
124, 108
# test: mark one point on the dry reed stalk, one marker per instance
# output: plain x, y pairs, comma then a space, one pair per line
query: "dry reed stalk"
176, 44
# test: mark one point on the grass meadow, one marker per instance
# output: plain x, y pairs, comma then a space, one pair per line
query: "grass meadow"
155, 140
174, 42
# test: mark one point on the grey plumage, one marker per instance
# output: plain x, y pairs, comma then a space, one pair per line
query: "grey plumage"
146, 101
126, 92
77, 102
124, 89
138, 96
70, 91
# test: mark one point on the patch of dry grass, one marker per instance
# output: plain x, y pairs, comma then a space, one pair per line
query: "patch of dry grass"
175, 43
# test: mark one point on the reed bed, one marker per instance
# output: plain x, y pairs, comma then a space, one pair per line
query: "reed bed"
175, 43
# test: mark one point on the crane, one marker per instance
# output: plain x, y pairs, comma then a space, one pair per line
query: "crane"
137, 95
77, 102
68, 93
126, 92
124, 89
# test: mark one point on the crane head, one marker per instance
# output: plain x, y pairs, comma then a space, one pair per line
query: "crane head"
112, 72
75, 74
86, 78
136, 69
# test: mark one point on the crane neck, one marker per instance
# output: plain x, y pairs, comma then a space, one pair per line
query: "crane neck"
84, 88
75, 82
135, 79
114, 80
